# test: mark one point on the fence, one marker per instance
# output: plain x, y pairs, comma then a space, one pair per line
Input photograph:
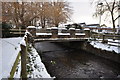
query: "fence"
13, 32
107, 38
23, 54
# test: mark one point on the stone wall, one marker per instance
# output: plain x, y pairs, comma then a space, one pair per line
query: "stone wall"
90, 49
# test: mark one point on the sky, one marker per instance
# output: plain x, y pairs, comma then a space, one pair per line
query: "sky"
83, 12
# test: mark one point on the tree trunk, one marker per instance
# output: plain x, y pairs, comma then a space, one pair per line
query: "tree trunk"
56, 25
113, 22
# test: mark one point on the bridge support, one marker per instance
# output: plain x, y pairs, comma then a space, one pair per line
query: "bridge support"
72, 32
54, 31
87, 33
32, 30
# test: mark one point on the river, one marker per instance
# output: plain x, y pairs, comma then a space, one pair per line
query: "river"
64, 62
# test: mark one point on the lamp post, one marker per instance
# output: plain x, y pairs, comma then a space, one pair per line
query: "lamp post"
100, 12
119, 13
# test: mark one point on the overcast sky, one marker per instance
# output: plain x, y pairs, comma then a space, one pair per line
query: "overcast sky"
83, 12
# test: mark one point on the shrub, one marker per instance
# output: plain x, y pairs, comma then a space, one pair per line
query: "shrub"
6, 29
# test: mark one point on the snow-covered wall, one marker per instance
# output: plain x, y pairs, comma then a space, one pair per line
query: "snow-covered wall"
99, 51
111, 55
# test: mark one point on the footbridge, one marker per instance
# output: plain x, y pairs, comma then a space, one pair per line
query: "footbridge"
54, 35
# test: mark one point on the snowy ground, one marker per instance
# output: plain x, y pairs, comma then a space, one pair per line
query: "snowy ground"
35, 67
0, 58
108, 46
10, 50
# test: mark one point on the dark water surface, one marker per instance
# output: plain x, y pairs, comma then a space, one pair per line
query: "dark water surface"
63, 62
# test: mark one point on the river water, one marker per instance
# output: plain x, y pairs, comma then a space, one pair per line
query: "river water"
63, 62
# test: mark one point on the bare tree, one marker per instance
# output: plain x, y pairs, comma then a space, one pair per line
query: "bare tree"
109, 8
61, 12
23, 14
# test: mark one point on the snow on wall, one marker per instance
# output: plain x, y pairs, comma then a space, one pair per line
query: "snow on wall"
22, 42
63, 34
31, 27
79, 33
39, 71
10, 50
43, 34
71, 28
54, 28
86, 29
105, 46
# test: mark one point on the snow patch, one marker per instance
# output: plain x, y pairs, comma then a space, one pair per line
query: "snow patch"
54, 28
71, 28
77, 29
31, 27
86, 29
79, 33
43, 34
107, 47
10, 50
63, 34
39, 70
22, 42
49, 28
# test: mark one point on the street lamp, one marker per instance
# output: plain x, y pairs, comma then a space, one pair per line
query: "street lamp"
100, 12
119, 13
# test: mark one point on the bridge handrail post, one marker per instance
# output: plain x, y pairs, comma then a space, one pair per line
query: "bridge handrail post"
23, 58
54, 31
87, 32
72, 32
32, 30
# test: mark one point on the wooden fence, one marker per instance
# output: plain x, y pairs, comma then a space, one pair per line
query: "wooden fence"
23, 55
13, 32
106, 38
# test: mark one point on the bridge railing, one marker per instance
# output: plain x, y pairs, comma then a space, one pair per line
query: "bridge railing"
54, 32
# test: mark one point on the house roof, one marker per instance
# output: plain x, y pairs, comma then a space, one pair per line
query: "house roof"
92, 25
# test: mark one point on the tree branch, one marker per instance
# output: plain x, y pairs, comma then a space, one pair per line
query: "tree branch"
113, 6
108, 5
117, 18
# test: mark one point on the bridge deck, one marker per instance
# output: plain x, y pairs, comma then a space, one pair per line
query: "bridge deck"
60, 39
